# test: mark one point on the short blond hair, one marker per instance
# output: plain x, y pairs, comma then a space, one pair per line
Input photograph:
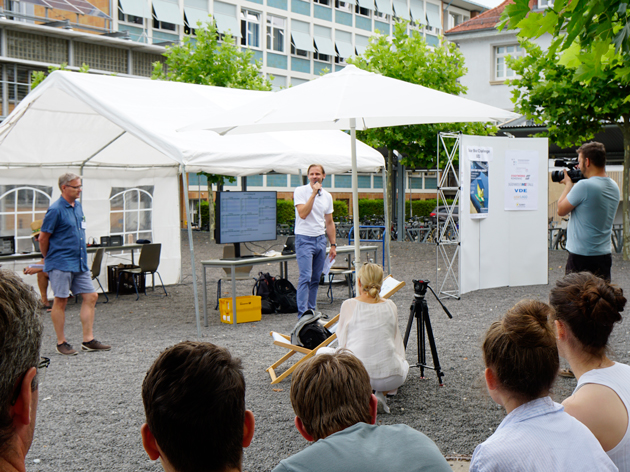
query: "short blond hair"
371, 278
331, 392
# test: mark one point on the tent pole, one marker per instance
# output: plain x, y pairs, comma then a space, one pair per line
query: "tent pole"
192, 250
355, 202
387, 223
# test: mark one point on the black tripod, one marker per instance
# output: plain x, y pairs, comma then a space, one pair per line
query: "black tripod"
420, 311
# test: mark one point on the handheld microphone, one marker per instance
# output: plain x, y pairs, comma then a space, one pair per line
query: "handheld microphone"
319, 192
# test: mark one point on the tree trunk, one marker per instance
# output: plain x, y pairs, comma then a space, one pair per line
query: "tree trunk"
625, 191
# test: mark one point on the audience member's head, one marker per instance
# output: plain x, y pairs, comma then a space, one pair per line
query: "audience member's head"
331, 392
589, 307
371, 278
20, 341
520, 352
194, 400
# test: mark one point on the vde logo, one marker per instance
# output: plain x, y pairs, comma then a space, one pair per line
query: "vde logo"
520, 190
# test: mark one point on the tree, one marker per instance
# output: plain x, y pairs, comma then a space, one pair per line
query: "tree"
551, 94
409, 58
211, 61
594, 32
37, 77
587, 65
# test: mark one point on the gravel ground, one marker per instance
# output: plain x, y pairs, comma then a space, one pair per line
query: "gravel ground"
90, 408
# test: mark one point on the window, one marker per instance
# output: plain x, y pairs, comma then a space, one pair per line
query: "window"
19, 207
250, 28
276, 180
298, 52
322, 2
163, 25
542, 4
131, 212
321, 57
275, 33
501, 70
361, 11
433, 18
136, 20
381, 16
344, 6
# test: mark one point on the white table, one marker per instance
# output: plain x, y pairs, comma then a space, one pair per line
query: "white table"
258, 260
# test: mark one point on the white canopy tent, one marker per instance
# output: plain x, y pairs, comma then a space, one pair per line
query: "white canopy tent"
120, 134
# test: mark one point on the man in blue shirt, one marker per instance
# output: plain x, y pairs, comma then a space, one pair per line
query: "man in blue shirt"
62, 243
592, 203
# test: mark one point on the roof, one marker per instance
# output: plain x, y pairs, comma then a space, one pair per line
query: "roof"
483, 21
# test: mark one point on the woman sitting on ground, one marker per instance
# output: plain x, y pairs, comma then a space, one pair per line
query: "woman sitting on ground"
368, 326
522, 362
586, 308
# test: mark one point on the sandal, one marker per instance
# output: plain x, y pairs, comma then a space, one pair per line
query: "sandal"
567, 373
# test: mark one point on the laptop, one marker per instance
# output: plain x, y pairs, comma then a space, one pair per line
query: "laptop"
289, 246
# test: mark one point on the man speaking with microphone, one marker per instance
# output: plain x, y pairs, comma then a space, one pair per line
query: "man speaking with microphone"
313, 221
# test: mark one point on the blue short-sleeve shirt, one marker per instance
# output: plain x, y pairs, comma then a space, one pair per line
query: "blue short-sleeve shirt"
66, 250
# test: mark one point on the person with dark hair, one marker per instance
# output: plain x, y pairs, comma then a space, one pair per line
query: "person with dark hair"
521, 360
20, 342
585, 311
194, 400
63, 246
313, 222
592, 203
334, 406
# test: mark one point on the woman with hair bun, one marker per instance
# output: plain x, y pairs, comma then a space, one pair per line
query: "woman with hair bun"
585, 311
368, 326
521, 361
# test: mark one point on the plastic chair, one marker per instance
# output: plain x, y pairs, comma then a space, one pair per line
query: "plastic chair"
240, 273
390, 287
96, 271
149, 261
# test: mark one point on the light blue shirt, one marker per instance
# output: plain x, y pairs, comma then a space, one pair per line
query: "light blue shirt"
66, 249
595, 200
541, 436
365, 448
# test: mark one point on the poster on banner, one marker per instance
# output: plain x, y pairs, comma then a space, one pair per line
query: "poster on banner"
479, 153
479, 189
521, 180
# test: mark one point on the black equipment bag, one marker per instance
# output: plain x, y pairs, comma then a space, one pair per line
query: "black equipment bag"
264, 288
308, 332
285, 296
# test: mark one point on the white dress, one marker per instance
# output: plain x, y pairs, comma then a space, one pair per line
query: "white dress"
371, 332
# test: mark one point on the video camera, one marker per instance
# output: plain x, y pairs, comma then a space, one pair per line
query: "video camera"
574, 174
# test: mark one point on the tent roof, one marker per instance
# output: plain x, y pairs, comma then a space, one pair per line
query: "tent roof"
72, 119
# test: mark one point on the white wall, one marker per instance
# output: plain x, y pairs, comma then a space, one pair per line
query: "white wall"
478, 51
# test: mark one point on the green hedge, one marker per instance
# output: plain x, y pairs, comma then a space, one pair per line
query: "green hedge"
205, 211
369, 207
340, 208
285, 212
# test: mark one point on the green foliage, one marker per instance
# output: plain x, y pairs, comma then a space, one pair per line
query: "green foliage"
550, 92
340, 208
409, 58
205, 212
209, 61
37, 77
285, 212
369, 207
217, 179
594, 33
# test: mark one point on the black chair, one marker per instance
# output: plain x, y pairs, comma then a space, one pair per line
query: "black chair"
149, 261
96, 271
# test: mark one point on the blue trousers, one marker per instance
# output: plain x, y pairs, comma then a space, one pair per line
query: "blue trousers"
310, 252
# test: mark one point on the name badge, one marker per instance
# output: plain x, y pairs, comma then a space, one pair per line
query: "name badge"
83, 225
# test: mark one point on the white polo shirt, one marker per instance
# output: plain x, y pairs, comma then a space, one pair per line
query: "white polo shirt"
315, 223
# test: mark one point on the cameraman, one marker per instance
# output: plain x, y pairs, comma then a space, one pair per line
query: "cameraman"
592, 203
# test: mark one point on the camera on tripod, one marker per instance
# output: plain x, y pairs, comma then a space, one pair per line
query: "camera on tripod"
574, 174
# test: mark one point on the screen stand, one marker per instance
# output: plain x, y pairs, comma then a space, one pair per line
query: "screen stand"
237, 250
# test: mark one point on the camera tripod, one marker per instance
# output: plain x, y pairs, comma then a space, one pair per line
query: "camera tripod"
420, 311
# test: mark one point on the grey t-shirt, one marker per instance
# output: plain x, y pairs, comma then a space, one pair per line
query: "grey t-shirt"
595, 201
364, 448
